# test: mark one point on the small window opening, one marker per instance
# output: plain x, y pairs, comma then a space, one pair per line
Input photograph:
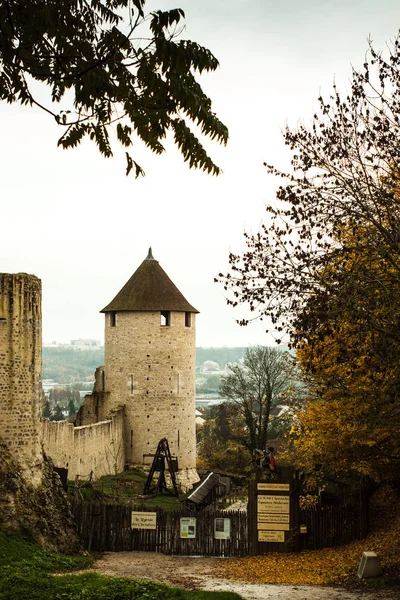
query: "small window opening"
113, 319
165, 318
188, 319
179, 439
103, 381
132, 383
131, 438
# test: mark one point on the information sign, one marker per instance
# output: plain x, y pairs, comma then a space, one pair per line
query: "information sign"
222, 529
273, 504
271, 536
143, 520
273, 526
267, 518
188, 527
273, 487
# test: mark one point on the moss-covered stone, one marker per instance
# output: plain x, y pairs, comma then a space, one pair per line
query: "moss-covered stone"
43, 511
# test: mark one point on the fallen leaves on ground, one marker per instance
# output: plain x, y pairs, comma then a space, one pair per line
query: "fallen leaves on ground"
330, 566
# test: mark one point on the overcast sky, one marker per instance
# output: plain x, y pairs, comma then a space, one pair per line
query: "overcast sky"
73, 219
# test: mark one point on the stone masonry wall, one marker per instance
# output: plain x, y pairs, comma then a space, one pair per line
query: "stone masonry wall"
92, 410
150, 369
98, 447
20, 369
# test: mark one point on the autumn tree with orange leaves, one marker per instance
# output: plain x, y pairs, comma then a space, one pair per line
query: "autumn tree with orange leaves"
351, 419
325, 270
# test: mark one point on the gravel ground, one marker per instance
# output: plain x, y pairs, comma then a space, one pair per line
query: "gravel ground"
198, 574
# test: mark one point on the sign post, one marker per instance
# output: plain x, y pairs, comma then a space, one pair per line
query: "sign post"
273, 513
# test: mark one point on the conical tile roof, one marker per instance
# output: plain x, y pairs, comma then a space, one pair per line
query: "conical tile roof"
149, 288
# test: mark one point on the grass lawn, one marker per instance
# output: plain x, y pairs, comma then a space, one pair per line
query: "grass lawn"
125, 487
28, 571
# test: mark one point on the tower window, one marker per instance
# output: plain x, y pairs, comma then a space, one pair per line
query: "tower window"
132, 383
165, 318
113, 319
188, 319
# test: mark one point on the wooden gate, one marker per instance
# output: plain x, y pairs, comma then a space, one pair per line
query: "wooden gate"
276, 523
273, 510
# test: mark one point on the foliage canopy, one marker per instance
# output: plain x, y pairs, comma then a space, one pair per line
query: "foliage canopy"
344, 178
113, 69
352, 371
326, 270
223, 440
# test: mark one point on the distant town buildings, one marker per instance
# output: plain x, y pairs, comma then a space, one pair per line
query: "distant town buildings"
80, 344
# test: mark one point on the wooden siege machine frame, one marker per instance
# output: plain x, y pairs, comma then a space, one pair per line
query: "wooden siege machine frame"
161, 456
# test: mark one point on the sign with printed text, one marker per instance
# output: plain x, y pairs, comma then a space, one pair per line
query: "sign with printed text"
188, 527
275, 518
143, 520
273, 526
273, 504
273, 487
271, 536
222, 529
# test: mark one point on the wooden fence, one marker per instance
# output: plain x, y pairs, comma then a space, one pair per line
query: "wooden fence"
107, 527
335, 524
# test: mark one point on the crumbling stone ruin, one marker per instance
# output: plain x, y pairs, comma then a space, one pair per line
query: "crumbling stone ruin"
31, 495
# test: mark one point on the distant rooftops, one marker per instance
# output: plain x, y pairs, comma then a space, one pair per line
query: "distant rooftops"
148, 289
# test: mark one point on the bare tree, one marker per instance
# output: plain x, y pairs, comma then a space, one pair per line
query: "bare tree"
256, 386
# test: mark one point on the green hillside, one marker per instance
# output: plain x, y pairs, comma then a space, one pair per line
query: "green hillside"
66, 365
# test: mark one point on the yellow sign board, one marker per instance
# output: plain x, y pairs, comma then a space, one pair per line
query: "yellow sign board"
188, 527
267, 518
273, 487
273, 504
273, 526
271, 536
303, 528
143, 520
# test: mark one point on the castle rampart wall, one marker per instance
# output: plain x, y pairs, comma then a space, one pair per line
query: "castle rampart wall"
92, 410
97, 448
20, 369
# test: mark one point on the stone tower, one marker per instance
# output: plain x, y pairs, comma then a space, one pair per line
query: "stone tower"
150, 365
21, 369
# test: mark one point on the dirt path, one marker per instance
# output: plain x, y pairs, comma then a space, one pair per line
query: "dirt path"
198, 573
